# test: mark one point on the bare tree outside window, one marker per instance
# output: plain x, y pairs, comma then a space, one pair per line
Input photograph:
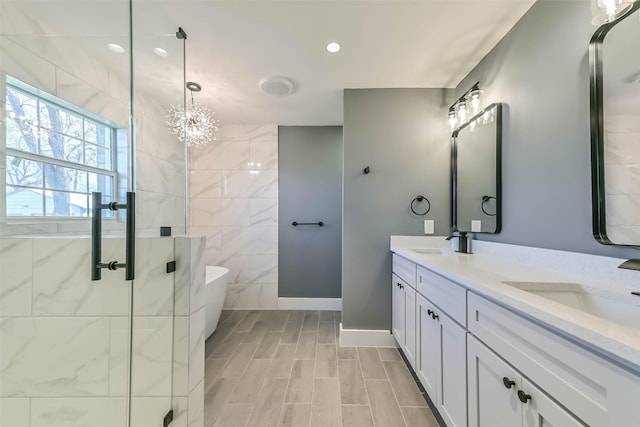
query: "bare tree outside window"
55, 157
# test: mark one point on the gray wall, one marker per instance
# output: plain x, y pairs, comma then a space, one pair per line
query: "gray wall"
402, 135
310, 190
540, 71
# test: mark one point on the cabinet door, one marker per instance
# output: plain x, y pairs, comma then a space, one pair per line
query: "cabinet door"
398, 315
428, 347
491, 402
452, 391
410, 325
541, 411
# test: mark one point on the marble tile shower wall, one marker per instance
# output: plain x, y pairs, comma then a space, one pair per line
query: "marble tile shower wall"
61, 67
622, 178
234, 203
65, 340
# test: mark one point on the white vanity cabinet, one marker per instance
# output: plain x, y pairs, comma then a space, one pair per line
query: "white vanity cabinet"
569, 379
404, 306
499, 396
441, 361
441, 345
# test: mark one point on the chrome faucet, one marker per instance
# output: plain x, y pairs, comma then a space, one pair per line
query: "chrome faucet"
463, 241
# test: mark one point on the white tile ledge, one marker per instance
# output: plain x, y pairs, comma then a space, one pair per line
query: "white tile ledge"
491, 263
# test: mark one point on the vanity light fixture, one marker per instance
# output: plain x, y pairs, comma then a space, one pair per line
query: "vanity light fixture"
113, 47
468, 105
197, 124
605, 11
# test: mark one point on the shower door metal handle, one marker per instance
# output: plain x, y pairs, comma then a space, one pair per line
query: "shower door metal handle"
96, 236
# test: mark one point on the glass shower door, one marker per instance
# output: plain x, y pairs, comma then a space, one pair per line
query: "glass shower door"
64, 133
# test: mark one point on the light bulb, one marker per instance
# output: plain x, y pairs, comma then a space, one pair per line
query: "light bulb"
462, 111
605, 11
452, 120
475, 101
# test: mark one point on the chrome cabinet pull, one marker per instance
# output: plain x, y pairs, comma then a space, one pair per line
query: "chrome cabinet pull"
96, 236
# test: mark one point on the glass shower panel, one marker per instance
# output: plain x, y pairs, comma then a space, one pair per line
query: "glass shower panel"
160, 340
64, 132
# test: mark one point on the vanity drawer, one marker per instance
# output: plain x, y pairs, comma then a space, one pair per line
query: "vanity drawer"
449, 296
404, 269
595, 390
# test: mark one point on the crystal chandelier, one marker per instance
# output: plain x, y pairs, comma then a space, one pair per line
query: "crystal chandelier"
197, 124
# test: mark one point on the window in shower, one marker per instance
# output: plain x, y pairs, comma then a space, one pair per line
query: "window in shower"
56, 155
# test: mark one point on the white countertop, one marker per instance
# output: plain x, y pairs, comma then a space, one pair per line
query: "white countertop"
484, 274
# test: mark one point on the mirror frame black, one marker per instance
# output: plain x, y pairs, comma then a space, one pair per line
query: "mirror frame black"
454, 170
596, 107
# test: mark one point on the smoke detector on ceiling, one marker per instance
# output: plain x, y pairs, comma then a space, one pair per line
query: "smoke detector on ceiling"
277, 86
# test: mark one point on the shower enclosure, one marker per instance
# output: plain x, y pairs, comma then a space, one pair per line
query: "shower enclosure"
85, 89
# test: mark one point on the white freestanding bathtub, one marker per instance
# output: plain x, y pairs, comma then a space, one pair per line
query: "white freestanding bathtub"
216, 284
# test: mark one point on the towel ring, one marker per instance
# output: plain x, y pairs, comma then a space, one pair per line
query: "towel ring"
485, 199
420, 199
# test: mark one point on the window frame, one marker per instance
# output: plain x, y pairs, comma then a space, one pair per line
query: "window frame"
12, 83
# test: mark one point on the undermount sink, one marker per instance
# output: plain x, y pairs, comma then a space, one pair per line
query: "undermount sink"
434, 251
615, 308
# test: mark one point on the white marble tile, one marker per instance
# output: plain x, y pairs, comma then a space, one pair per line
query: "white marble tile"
264, 212
70, 291
182, 275
196, 348
27, 66
118, 88
221, 155
214, 240
249, 133
623, 210
118, 356
196, 406
253, 296
622, 148
247, 269
54, 356
197, 288
621, 123
206, 212
246, 183
264, 154
149, 411
180, 411
624, 235
79, 412
90, 98
156, 210
159, 176
152, 356
14, 412
235, 213
622, 179
250, 240
205, 184
153, 293
181, 356
16, 257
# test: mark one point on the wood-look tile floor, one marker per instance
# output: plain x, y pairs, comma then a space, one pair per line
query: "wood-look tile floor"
284, 368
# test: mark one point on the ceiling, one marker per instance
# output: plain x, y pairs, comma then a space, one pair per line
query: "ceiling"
232, 45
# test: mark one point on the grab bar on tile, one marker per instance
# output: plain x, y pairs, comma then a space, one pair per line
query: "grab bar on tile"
319, 224
96, 236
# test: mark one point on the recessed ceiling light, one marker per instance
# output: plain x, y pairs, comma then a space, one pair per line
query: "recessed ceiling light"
333, 47
160, 52
115, 48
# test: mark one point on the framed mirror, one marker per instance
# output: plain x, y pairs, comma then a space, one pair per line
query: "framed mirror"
476, 173
615, 130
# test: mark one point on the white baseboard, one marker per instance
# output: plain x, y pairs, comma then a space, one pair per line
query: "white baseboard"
366, 338
332, 304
